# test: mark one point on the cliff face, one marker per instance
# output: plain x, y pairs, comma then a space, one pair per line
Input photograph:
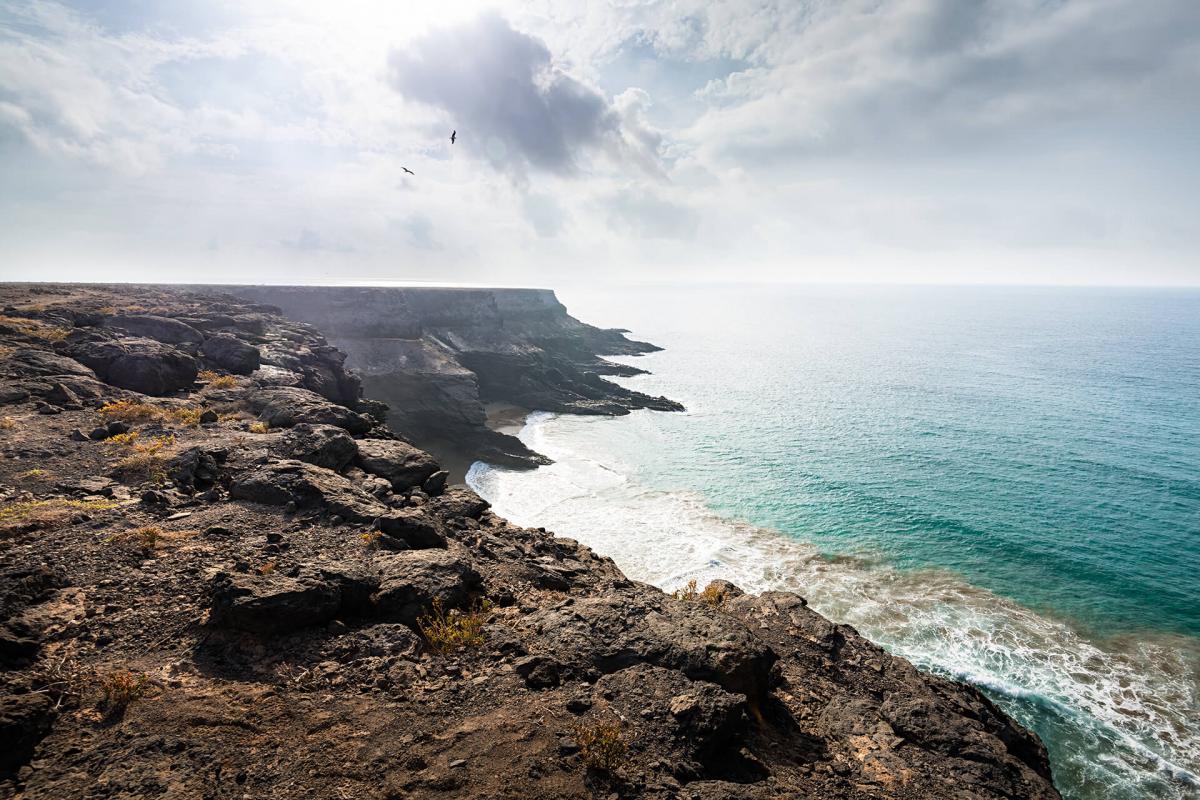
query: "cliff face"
222, 576
438, 356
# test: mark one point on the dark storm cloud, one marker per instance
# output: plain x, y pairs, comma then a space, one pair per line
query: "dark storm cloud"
508, 100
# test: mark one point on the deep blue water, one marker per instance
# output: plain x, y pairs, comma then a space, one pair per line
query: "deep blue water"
1000, 484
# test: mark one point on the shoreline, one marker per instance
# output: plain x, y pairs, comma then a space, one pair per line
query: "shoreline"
506, 417
309, 553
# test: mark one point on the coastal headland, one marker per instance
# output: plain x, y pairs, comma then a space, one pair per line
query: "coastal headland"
232, 565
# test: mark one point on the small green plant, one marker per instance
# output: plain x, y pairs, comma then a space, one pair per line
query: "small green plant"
449, 631
119, 689
602, 745
711, 595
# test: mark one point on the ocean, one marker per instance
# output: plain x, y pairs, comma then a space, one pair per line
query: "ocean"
1000, 484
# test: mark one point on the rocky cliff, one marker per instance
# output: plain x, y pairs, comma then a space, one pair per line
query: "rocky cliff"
438, 356
221, 575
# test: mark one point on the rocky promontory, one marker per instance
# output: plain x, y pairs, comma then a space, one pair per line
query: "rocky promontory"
226, 571
438, 356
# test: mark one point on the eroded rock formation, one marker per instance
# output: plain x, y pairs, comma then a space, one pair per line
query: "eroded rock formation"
438, 356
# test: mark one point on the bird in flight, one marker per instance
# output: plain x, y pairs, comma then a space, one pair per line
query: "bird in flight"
409, 171
453, 136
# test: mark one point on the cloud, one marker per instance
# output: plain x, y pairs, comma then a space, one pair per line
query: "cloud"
418, 232
512, 104
309, 241
545, 215
647, 215
931, 76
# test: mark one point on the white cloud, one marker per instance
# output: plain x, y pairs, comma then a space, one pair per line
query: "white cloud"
671, 139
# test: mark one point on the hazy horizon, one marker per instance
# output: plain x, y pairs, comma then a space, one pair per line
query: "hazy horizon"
901, 142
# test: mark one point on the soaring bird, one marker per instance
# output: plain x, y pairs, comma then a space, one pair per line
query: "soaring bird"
453, 136
409, 171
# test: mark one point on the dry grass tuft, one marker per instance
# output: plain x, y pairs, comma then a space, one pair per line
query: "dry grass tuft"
602, 745
134, 412
32, 515
216, 380
36, 328
449, 631
35, 474
145, 461
259, 427
119, 689
370, 539
144, 539
7, 423
711, 594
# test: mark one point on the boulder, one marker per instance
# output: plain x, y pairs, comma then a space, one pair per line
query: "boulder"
196, 468
271, 604
401, 463
282, 482
696, 721
12, 393
61, 395
160, 329
143, 365
623, 628
435, 484
411, 581
285, 406
231, 353
44, 362
538, 671
412, 527
323, 445
459, 502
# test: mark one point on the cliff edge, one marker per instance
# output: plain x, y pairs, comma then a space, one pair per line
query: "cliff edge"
437, 357
222, 575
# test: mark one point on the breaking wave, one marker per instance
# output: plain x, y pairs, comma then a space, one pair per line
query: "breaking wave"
1119, 715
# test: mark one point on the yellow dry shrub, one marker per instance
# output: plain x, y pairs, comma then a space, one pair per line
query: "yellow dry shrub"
448, 631
144, 539
710, 595
259, 427
119, 689
216, 380
134, 412
36, 328
48, 514
602, 745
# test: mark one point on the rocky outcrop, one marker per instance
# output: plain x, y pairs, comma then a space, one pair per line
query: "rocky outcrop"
438, 356
307, 609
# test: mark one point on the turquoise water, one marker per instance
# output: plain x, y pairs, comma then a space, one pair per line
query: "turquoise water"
1002, 485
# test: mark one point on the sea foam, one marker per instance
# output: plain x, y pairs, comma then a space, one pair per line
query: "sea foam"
1120, 715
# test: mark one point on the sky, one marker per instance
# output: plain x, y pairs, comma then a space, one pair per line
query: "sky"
841, 141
